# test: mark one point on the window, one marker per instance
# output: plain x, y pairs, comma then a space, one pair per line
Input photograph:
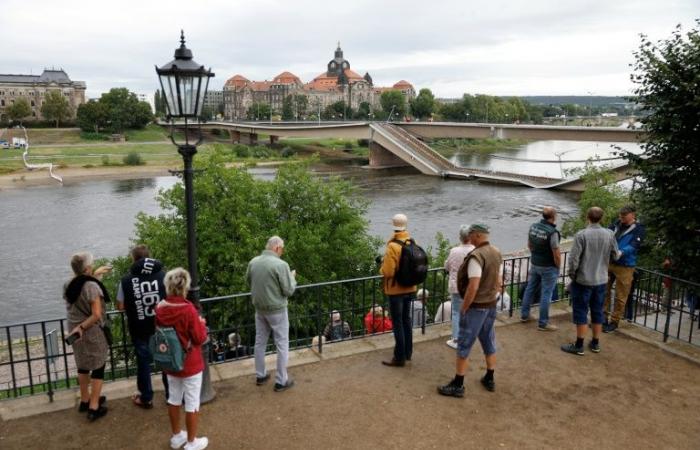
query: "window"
2, 102
33, 103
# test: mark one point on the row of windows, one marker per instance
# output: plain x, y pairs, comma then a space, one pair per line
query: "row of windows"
30, 93
12, 102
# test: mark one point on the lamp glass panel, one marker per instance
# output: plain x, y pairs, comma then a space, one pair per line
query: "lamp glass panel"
169, 90
187, 91
202, 94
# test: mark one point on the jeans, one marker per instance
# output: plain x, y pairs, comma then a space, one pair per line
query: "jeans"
546, 278
400, 308
143, 369
278, 323
475, 324
584, 298
457, 301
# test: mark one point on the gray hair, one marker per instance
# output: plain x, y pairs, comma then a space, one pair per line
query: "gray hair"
464, 233
81, 261
273, 242
177, 282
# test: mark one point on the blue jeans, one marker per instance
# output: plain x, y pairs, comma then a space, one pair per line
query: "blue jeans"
457, 301
400, 308
143, 369
546, 278
475, 324
585, 297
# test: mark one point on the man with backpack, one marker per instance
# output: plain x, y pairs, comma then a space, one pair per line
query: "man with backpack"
404, 266
138, 293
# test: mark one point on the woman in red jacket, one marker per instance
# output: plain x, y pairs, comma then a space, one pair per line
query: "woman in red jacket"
376, 321
177, 312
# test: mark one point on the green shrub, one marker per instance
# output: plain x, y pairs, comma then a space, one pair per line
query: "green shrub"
105, 160
261, 152
363, 142
92, 136
287, 152
133, 159
347, 145
241, 151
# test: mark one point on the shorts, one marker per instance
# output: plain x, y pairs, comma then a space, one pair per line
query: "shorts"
188, 388
477, 323
585, 297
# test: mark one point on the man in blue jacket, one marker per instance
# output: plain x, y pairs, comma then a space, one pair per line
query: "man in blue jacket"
629, 235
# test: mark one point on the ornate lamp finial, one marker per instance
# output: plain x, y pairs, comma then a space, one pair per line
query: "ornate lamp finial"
182, 38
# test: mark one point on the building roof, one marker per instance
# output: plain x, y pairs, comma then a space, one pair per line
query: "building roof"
286, 78
237, 81
403, 84
47, 76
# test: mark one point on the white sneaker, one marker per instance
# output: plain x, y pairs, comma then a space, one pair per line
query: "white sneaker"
452, 343
197, 444
178, 440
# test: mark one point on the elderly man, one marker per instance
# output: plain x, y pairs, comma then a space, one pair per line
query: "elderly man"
452, 264
628, 234
593, 248
400, 297
478, 311
271, 282
543, 242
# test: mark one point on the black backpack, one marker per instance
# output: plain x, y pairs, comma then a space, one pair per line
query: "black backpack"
413, 263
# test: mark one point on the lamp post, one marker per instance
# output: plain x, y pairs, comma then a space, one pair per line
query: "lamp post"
184, 84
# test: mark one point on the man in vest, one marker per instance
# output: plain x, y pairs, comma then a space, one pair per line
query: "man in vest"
271, 282
543, 242
478, 311
593, 248
400, 297
138, 293
628, 234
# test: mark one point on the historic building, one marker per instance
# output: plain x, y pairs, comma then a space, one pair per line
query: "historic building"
34, 88
338, 83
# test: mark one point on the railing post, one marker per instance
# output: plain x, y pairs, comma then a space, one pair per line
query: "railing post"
46, 361
667, 326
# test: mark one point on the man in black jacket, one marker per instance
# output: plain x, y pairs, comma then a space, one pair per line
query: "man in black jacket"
138, 293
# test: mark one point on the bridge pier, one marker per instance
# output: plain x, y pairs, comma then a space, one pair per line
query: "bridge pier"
274, 140
380, 158
249, 138
235, 136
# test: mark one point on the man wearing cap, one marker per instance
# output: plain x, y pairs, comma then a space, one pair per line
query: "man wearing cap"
478, 311
628, 234
543, 242
452, 264
400, 297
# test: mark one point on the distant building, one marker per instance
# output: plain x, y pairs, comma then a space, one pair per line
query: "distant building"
34, 89
214, 101
337, 83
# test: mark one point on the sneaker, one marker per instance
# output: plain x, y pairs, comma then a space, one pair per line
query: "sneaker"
489, 384
595, 348
262, 380
547, 327
526, 319
94, 414
197, 444
609, 328
571, 348
283, 387
451, 390
452, 343
178, 440
84, 406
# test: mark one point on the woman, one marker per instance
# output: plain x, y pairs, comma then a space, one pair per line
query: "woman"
376, 321
85, 301
176, 312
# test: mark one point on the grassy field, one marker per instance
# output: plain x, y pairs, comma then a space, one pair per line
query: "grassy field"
451, 147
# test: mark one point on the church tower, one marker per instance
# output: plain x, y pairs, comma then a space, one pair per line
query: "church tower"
338, 64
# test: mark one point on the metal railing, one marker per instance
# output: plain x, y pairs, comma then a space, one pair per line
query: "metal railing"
35, 359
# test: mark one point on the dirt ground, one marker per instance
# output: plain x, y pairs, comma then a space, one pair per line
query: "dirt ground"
631, 395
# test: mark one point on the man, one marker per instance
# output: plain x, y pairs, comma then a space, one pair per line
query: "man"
138, 293
628, 234
271, 282
400, 297
478, 312
452, 264
593, 248
543, 242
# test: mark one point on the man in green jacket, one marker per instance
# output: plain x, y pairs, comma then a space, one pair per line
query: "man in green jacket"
271, 282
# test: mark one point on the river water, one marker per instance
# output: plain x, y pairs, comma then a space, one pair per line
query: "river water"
41, 227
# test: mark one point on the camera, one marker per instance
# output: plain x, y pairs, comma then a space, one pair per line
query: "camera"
72, 338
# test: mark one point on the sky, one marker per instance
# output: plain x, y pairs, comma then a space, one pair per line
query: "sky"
495, 47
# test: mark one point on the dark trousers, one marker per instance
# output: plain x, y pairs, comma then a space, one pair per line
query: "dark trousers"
143, 371
400, 308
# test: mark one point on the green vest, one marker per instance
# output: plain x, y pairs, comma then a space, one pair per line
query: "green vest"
538, 237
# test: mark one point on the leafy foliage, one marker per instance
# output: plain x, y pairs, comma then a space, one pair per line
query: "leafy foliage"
666, 74
116, 110
423, 105
19, 110
92, 116
133, 159
258, 111
393, 100
56, 107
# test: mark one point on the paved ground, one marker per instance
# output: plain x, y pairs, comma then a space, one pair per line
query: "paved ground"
632, 395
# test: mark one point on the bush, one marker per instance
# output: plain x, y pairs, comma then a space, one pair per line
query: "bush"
92, 136
105, 160
287, 152
347, 146
261, 152
241, 151
133, 159
363, 142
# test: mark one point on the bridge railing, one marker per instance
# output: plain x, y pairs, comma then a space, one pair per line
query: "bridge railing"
34, 358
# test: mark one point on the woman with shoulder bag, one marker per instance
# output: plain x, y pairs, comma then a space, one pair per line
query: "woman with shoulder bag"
85, 303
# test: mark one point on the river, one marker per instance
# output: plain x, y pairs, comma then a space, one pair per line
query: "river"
42, 226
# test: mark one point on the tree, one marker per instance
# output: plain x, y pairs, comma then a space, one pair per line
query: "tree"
424, 104
19, 110
258, 111
159, 103
55, 107
288, 108
363, 111
666, 75
393, 101
92, 116
124, 110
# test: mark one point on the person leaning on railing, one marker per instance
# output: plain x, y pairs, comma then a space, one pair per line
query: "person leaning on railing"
85, 303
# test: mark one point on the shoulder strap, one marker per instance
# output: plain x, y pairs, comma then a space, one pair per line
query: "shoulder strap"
401, 243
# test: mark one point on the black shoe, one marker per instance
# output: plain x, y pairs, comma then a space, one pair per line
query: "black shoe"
262, 380
571, 348
609, 328
285, 386
94, 414
595, 348
84, 406
451, 390
488, 383
394, 363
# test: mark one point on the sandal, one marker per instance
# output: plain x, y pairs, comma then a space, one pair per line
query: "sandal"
136, 400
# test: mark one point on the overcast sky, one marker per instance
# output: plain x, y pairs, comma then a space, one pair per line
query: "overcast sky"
498, 47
